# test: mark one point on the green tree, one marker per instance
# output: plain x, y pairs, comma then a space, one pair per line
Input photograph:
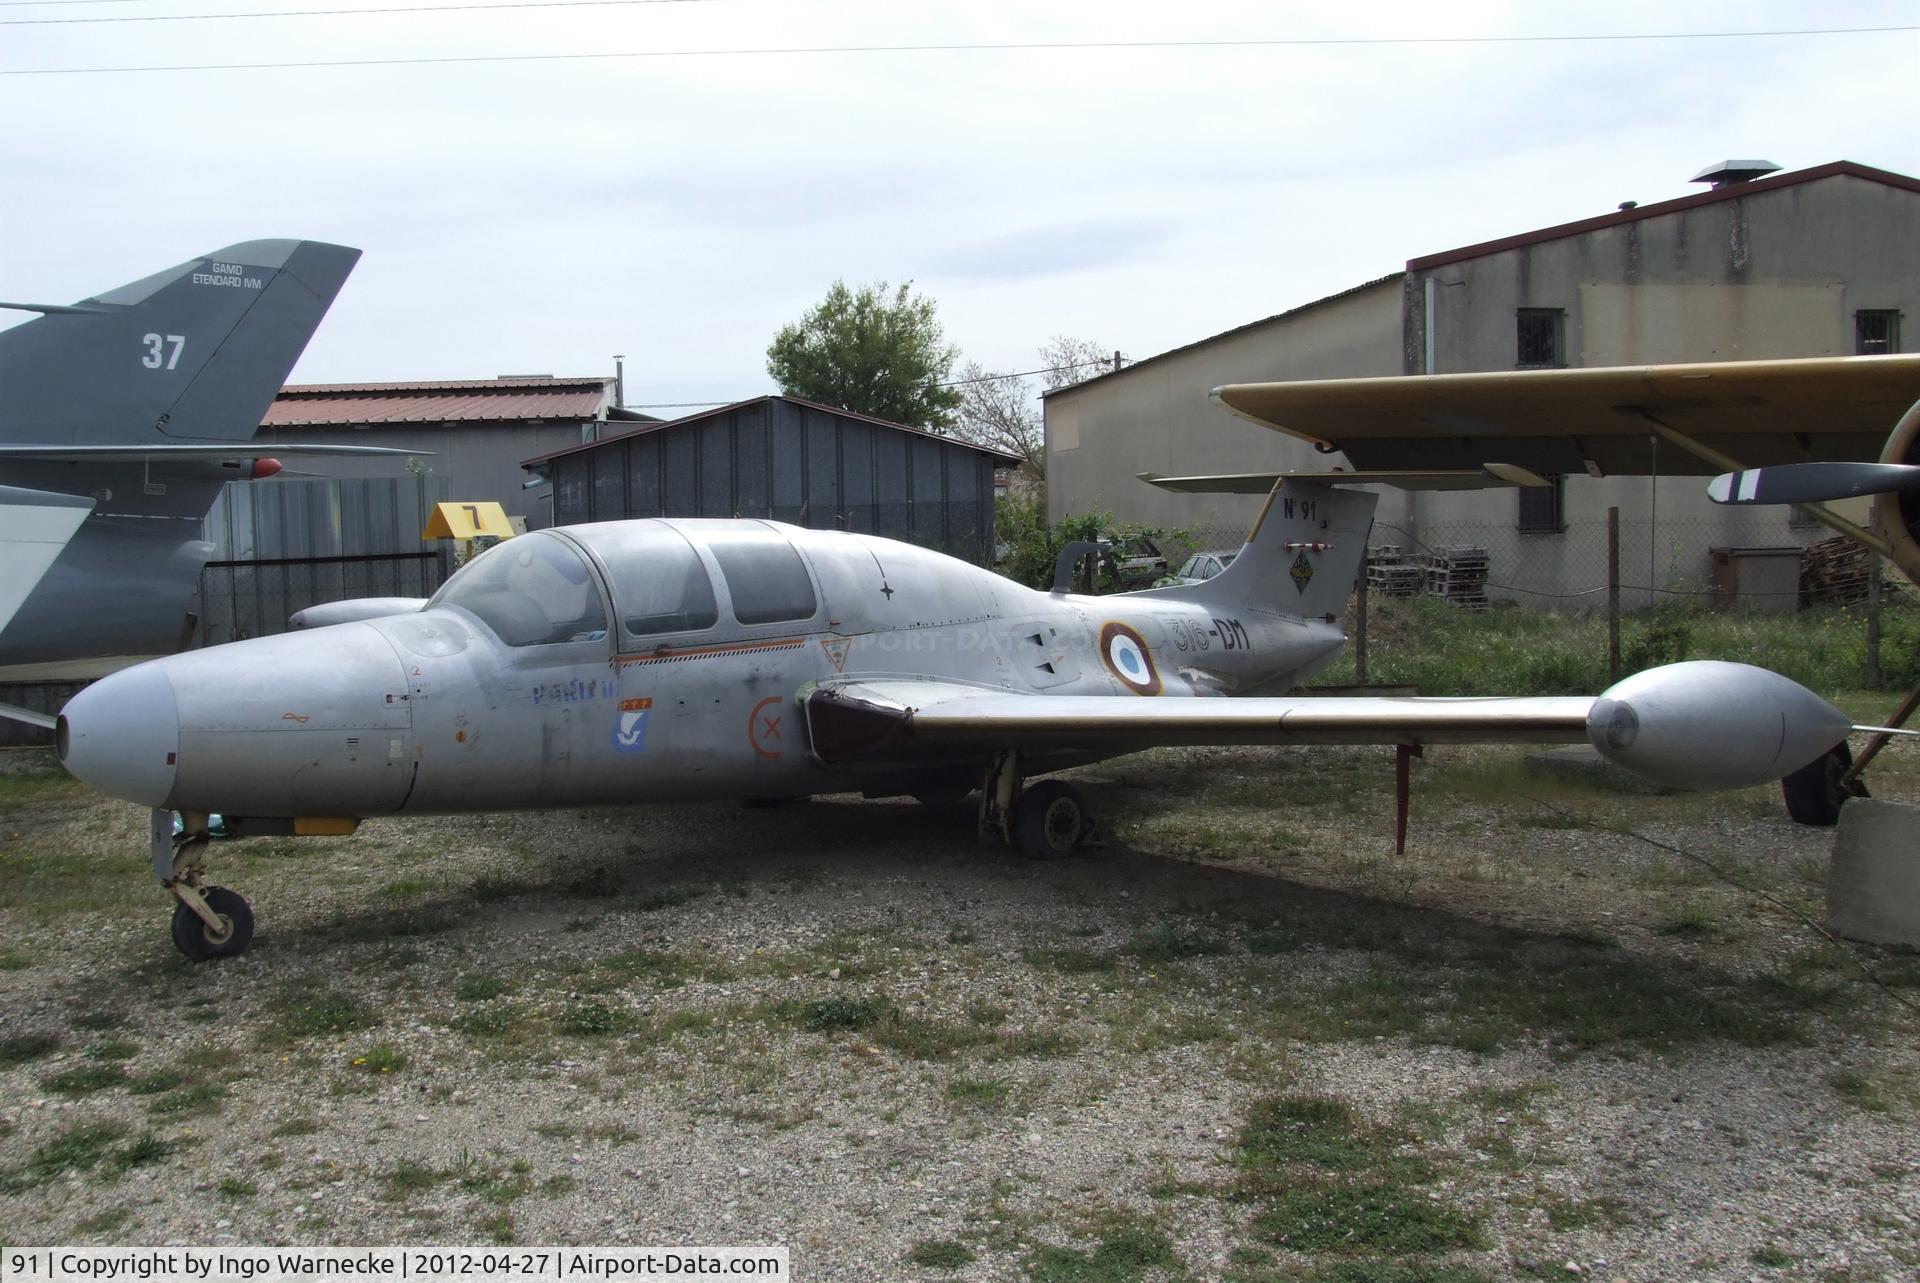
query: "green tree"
876, 350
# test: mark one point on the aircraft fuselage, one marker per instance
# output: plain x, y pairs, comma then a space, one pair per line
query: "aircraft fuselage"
439, 710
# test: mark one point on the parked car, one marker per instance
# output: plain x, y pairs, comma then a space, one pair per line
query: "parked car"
1198, 568
1135, 560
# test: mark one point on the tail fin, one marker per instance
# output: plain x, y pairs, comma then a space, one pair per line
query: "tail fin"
1302, 557
194, 353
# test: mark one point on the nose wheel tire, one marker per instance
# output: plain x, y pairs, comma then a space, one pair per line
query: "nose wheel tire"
193, 937
1050, 822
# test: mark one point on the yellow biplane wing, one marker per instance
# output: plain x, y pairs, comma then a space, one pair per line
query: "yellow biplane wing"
1601, 421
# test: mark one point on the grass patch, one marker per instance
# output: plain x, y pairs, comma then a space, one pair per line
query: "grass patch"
329, 1013
479, 987
77, 1149
1687, 920
1316, 1130
939, 1254
1858, 1090
1364, 1216
829, 1015
1771, 1256
408, 1177
113, 1049
105, 1222
99, 1021
144, 1152
192, 1098
381, 1058
296, 1127
86, 1080
1169, 942
1124, 1255
981, 1093
593, 1020
22, 1048
234, 1187
11, 961
1072, 960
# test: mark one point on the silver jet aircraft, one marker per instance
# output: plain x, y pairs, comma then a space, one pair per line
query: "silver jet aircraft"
661, 660
121, 417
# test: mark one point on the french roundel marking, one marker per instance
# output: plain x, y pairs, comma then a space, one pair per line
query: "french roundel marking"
1126, 656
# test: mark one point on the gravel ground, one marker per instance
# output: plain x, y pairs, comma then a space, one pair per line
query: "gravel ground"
1533, 1048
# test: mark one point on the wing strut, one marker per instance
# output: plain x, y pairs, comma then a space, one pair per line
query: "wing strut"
1818, 511
1403, 755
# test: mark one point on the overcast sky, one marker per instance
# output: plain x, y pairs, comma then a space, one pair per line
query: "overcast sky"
539, 216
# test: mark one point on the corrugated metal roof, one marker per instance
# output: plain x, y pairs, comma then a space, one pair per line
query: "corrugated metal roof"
1010, 459
459, 401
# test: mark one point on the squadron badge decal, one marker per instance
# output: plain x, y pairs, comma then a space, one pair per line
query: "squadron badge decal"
1126, 656
1302, 572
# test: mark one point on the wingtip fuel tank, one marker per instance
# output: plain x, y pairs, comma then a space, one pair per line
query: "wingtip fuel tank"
1707, 724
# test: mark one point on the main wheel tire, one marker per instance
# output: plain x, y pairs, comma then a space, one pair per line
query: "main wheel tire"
190, 933
1049, 821
1814, 793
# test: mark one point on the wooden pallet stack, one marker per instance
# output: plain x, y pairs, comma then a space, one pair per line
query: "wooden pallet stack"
1394, 572
1457, 573
1834, 572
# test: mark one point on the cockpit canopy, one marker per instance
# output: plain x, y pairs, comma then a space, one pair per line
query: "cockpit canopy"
538, 590
531, 591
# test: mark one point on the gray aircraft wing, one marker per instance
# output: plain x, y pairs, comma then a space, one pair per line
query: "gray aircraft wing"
34, 526
855, 720
210, 450
1704, 724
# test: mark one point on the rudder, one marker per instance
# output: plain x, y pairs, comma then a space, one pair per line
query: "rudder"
1302, 557
196, 352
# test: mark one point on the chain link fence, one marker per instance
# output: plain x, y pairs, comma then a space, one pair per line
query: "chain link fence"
1762, 566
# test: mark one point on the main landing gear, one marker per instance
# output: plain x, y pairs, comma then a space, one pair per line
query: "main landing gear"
1045, 821
208, 921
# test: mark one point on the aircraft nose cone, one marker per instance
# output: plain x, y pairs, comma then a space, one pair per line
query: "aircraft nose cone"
122, 735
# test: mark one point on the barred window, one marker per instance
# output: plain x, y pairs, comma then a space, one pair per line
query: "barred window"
1541, 336
1542, 507
1876, 333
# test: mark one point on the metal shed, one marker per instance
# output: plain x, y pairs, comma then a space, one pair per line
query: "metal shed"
792, 460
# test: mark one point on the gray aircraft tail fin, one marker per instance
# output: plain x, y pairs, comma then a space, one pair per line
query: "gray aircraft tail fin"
1301, 559
194, 353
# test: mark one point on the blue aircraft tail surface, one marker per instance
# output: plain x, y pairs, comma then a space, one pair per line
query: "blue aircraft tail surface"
194, 353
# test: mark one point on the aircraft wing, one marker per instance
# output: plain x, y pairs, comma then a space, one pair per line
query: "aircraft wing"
34, 526
1481, 478
1596, 421
213, 450
900, 718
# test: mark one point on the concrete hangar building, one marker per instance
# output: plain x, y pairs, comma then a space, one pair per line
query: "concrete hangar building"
1818, 262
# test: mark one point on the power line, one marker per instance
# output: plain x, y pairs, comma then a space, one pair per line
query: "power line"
1037, 46
318, 13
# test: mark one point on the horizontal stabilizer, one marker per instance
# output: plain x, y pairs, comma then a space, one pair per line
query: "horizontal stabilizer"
213, 450
35, 526
1492, 474
1812, 482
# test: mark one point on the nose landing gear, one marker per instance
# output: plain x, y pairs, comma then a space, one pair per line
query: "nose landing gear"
208, 921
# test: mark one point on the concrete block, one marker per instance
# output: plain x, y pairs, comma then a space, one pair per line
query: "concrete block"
1873, 888
1583, 764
